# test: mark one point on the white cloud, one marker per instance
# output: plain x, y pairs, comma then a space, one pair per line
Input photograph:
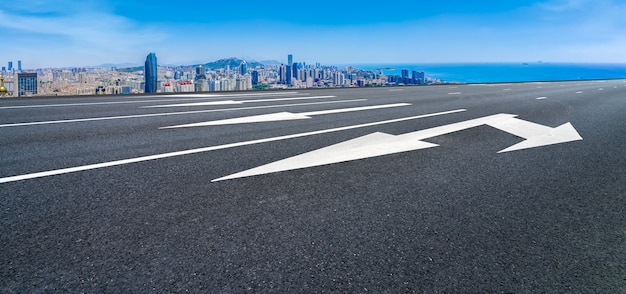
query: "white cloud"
74, 36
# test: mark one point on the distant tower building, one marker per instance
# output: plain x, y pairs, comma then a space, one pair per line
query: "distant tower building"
201, 84
418, 77
19, 65
294, 70
240, 83
150, 74
288, 74
405, 75
289, 59
338, 79
282, 72
255, 78
26, 84
244, 67
215, 85
10, 65
200, 72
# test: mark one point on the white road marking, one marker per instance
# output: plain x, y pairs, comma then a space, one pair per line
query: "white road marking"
280, 116
222, 95
541, 98
209, 96
506, 89
579, 92
455, 93
396, 90
600, 89
378, 144
212, 148
171, 113
228, 102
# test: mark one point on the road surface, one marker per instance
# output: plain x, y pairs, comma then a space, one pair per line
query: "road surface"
514, 188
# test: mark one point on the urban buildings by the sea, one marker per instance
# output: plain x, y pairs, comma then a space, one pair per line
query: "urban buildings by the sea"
224, 75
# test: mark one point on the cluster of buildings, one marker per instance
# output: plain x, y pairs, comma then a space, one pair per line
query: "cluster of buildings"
13, 81
153, 78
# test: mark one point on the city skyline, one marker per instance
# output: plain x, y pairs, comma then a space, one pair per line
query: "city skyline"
64, 33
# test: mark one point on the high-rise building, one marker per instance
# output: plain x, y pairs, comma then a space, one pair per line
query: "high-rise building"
338, 79
201, 84
418, 77
282, 72
10, 65
289, 59
19, 65
27, 84
405, 76
243, 67
150, 74
200, 72
288, 74
294, 70
255, 77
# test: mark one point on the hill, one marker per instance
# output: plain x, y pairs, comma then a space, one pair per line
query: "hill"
232, 62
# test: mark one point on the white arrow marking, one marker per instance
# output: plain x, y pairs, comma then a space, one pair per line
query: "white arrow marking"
190, 97
212, 148
378, 144
173, 113
229, 102
536, 135
279, 116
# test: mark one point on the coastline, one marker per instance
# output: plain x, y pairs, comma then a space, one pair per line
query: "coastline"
505, 71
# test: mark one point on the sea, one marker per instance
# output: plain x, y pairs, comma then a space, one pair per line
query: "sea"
506, 72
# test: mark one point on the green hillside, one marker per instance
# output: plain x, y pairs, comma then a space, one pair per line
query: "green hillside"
232, 62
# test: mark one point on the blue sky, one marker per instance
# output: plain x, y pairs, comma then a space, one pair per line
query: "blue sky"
64, 33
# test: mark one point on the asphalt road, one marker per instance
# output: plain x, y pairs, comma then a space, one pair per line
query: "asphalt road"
98, 196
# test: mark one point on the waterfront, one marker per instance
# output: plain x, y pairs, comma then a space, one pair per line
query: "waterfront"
507, 72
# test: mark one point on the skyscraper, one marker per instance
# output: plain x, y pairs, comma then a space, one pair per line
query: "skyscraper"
289, 59
282, 73
19, 65
201, 83
244, 67
150, 74
288, 75
255, 78
10, 65
294, 70
418, 77
405, 76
